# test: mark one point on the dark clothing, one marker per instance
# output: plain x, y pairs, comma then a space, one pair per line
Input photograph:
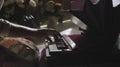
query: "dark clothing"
102, 29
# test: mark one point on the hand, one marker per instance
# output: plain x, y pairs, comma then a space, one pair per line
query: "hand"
45, 33
49, 32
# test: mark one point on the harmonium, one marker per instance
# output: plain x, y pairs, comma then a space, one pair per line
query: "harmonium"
62, 44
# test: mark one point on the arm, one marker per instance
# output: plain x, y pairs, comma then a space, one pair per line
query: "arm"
14, 30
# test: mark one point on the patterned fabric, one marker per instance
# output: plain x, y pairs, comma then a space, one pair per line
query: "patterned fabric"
21, 52
21, 47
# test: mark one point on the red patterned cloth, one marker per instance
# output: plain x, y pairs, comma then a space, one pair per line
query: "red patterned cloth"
21, 52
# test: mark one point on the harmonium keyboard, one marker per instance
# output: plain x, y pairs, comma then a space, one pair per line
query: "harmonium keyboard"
60, 45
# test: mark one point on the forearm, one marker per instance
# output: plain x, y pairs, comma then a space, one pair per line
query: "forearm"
14, 30
20, 31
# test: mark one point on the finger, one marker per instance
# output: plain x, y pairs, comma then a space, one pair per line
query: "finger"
49, 40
